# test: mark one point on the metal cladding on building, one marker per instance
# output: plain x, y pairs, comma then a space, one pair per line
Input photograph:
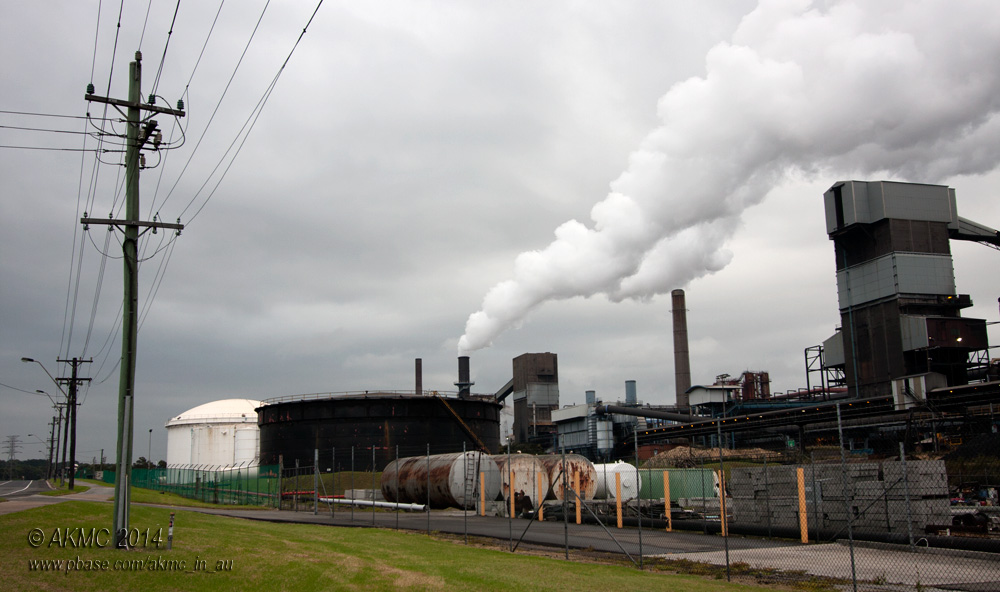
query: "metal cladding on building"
442, 480
682, 357
902, 331
535, 388
219, 434
294, 427
570, 466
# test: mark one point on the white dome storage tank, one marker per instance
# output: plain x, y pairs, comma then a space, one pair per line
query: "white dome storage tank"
220, 434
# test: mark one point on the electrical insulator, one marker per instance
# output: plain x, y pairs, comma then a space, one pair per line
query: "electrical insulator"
157, 139
90, 88
180, 104
142, 161
152, 98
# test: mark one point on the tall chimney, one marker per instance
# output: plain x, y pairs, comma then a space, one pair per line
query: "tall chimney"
419, 370
682, 360
631, 398
464, 383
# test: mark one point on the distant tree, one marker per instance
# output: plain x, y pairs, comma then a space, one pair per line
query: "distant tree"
162, 464
141, 463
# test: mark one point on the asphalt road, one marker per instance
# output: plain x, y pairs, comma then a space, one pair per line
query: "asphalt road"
20, 488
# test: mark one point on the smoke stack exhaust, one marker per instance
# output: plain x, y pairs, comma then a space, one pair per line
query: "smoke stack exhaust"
464, 384
682, 359
418, 388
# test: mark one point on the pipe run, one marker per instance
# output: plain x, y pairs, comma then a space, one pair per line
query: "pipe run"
375, 504
640, 412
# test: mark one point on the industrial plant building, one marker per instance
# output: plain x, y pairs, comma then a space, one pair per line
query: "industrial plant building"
903, 347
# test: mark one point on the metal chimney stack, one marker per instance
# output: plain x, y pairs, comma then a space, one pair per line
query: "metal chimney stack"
419, 371
682, 359
464, 384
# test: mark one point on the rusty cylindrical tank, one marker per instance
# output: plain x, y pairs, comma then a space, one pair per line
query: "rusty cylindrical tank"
575, 464
406, 480
525, 469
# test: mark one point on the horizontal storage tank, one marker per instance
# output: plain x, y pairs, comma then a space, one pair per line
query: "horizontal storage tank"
575, 464
607, 483
684, 483
406, 480
527, 473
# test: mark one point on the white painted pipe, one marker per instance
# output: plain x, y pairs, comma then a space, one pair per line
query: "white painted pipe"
361, 502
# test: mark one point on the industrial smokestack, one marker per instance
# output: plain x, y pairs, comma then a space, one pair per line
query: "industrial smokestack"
419, 371
682, 359
464, 384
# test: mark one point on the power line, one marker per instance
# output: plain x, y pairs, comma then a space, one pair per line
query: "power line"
251, 121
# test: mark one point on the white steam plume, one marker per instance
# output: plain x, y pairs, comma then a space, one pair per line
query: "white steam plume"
905, 89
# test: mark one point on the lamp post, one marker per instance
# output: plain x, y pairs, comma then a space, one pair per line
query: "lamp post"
149, 450
54, 438
70, 410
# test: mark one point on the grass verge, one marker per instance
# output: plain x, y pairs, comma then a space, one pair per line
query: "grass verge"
210, 552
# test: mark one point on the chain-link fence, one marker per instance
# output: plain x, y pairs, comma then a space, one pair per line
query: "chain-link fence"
246, 484
831, 519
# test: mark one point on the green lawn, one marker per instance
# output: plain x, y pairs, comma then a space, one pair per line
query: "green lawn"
214, 552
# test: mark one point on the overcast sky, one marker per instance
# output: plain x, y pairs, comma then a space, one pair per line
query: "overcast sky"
430, 178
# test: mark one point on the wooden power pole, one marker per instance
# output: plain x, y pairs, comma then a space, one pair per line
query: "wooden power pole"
138, 133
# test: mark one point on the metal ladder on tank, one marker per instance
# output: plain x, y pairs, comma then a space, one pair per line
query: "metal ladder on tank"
472, 478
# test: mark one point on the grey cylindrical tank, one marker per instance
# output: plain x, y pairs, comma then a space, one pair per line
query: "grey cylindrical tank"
575, 464
606, 483
406, 480
528, 472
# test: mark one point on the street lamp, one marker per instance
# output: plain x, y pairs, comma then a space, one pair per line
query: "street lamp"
149, 451
70, 417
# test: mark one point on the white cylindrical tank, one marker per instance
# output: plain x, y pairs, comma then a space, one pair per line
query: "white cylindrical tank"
221, 434
528, 474
631, 480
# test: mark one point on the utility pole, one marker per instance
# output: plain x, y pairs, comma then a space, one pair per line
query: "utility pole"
71, 406
52, 444
135, 140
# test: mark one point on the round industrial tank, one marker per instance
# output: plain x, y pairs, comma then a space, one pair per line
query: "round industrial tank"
406, 480
527, 472
575, 464
631, 481
220, 434
361, 424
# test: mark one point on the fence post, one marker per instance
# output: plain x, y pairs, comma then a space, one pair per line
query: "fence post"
847, 499
906, 493
428, 489
333, 481
352, 484
281, 470
800, 476
541, 496
315, 481
618, 496
666, 500
397, 487
373, 485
